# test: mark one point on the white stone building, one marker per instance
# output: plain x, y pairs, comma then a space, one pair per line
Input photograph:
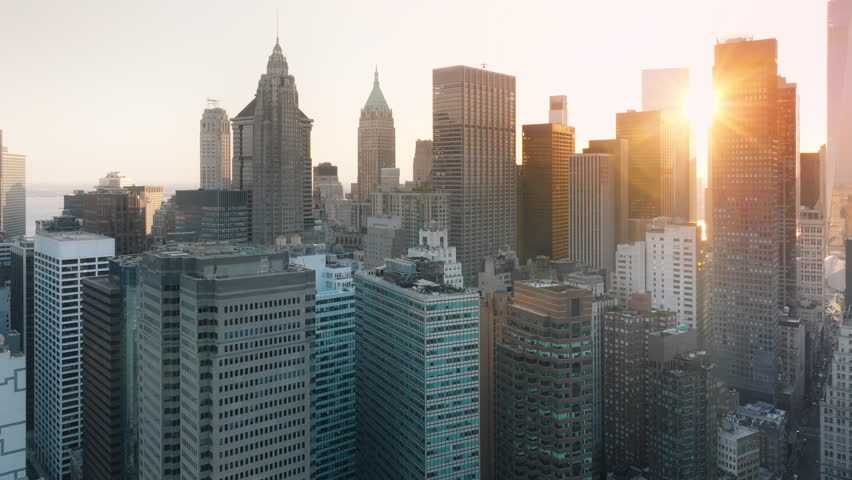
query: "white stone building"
433, 245
13, 415
61, 261
739, 450
215, 149
836, 411
630, 267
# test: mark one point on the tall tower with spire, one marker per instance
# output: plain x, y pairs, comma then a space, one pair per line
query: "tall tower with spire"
376, 141
272, 155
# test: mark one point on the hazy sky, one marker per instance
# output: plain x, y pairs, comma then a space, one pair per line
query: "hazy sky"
92, 86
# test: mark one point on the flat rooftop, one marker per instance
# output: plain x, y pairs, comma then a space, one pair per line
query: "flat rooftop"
72, 236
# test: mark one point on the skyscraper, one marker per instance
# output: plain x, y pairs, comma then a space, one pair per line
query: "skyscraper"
625, 335
812, 179
276, 167
667, 89
677, 274
225, 389
423, 163
543, 220
21, 311
591, 209
835, 408
417, 209
62, 261
658, 171
620, 150
376, 141
684, 436
544, 425
213, 216
119, 215
473, 124
333, 383
327, 189
558, 110
215, 148
417, 374
109, 380
753, 203
839, 147
152, 195
13, 192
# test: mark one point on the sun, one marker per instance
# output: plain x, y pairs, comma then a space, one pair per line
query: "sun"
700, 107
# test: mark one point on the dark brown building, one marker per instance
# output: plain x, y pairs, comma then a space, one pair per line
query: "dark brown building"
659, 168
103, 392
543, 222
810, 178
119, 215
625, 340
544, 384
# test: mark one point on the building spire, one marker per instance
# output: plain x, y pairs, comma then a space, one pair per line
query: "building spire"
376, 100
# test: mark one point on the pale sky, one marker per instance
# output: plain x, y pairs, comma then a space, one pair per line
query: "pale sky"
92, 86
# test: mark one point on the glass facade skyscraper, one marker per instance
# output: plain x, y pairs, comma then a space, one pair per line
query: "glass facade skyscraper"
417, 374
333, 379
473, 126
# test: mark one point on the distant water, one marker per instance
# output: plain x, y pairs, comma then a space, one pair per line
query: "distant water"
45, 202
41, 208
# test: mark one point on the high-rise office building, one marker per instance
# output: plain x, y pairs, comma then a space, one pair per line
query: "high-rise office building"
333, 383
812, 251
385, 239
21, 311
215, 148
327, 190
13, 415
667, 89
109, 378
676, 274
625, 343
417, 209
835, 408
558, 113
543, 218
13, 192
272, 155
811, 179
423, 163
119, 215
658, 172
61, 261
152, 195
601, 302
620, 150
591, 209
224, 392
213, 216
544, 427
684, 438
753, 224
839, 50
495, 281
417, 374
473, 123
630, 274
376, 141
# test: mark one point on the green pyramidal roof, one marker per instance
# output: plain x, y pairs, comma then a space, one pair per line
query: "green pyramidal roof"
376, 100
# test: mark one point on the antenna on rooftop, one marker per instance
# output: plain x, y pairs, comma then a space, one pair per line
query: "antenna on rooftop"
212, 103
484, 65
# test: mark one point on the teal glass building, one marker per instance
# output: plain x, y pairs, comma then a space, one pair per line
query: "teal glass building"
417, 374
333, 366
